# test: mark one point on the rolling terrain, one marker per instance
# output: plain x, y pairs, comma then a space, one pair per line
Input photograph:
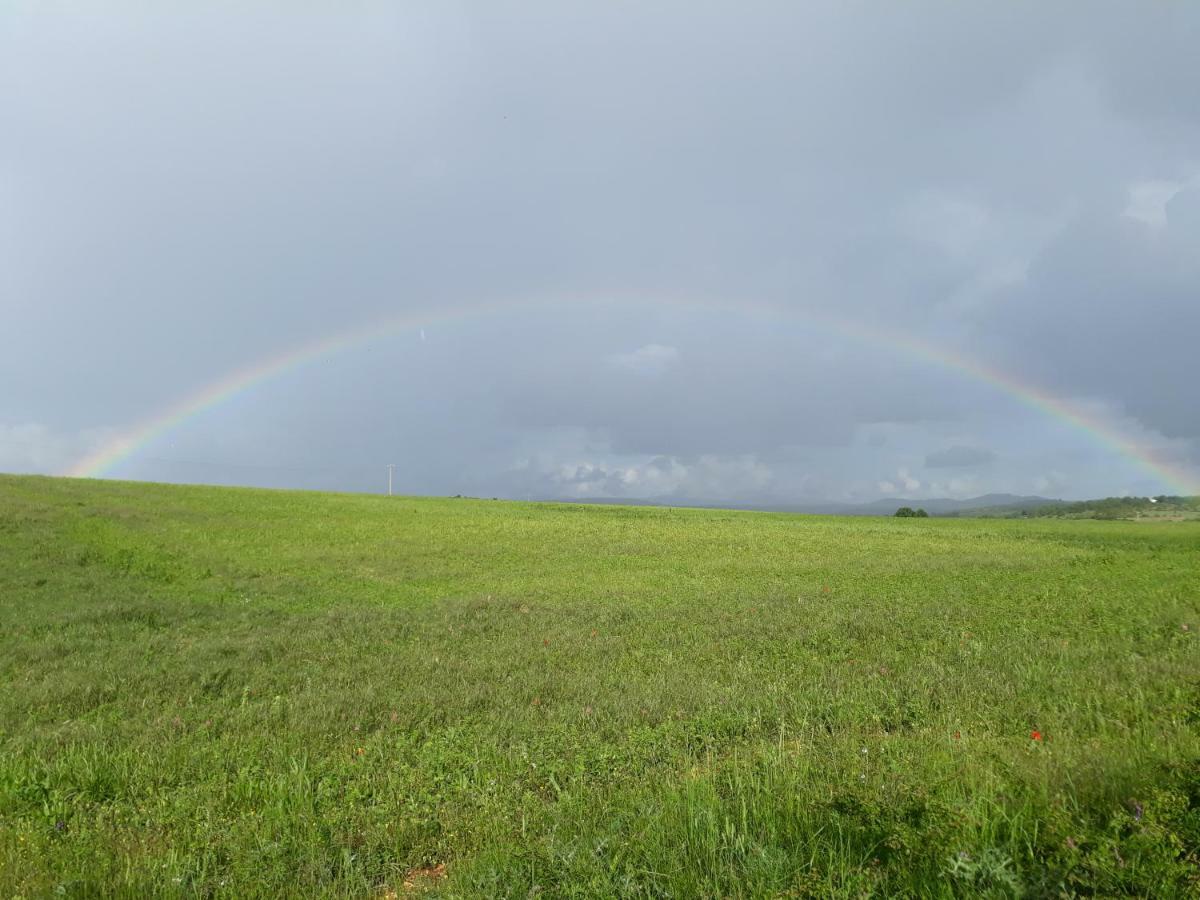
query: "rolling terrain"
238, 693
988, 504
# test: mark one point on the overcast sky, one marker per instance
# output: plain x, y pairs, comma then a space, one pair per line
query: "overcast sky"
188, 189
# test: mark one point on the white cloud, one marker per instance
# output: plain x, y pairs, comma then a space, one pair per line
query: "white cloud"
652, 359
902, 481
910, 483
1148, 200
1050, 482
958, 487
707, 477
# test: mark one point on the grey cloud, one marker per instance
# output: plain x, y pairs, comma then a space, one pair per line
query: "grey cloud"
190, 191
959, 457
1109, 310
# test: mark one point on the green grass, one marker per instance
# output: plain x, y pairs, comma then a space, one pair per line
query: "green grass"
1135, 509
223, 692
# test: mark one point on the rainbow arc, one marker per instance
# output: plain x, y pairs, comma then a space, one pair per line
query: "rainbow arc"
101, 462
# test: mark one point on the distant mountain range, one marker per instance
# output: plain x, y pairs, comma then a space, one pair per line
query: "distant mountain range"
935, 506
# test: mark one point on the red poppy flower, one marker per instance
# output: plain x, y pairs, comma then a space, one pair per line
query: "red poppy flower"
1036, 735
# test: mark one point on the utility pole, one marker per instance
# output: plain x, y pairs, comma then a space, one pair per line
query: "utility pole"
390, 467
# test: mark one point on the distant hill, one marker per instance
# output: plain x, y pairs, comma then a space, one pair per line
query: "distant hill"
943, 506
936, 506
988, 506
1162, 508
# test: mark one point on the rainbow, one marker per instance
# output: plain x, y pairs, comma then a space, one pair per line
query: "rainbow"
101, 462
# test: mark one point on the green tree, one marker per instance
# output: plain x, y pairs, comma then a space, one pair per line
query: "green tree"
905, 512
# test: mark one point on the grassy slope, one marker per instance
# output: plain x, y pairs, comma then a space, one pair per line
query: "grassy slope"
243, 693
1138, 509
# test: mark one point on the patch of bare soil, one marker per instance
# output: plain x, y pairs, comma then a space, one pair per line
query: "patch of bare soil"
416, 881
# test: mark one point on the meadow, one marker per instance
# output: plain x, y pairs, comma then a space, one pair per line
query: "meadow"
240, 693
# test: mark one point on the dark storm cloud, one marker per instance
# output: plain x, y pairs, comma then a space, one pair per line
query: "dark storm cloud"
188, 191
959, 457
1111, 308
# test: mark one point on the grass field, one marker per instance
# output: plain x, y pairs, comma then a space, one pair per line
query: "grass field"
223, 692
